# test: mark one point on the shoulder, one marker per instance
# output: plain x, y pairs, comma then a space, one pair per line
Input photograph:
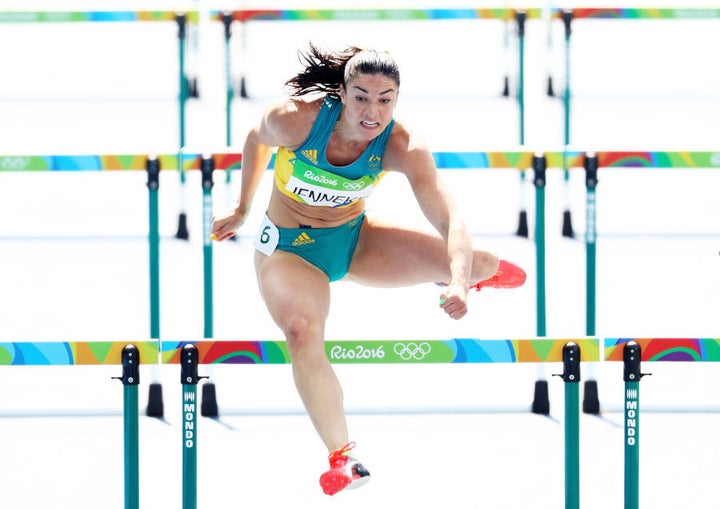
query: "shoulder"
407, 150
288, 122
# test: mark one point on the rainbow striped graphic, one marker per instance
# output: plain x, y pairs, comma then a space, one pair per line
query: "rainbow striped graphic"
73, 353
637, 159
444, 160
667, 349
479, 160
646, 13
89, 16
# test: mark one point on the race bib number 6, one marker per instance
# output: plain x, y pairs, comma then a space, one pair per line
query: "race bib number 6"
267, 238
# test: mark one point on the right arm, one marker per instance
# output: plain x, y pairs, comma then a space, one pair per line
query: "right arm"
284, 124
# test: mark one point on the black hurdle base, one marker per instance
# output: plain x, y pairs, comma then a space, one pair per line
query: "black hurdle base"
182, 231
155, 407
567, 227
208, 405
541, 400
591, 401
522, 229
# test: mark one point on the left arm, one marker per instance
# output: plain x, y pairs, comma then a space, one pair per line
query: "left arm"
411, 157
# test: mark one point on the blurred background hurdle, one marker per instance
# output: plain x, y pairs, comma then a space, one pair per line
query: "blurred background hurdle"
129, 355
187, 86
682, 59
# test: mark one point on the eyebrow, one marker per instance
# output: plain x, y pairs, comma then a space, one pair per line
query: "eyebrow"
381, 93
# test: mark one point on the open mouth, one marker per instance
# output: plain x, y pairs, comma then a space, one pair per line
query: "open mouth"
370, 124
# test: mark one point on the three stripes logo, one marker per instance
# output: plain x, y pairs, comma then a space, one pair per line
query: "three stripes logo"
311, 155
302, 239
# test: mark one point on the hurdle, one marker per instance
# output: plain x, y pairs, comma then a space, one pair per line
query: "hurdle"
633, 351
187, 88
129, 355
454, 351
568, 16
591, 162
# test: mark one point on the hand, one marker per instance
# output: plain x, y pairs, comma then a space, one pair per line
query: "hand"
454, 300
225, 224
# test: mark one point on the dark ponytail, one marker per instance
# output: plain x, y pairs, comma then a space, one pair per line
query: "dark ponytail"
327, 71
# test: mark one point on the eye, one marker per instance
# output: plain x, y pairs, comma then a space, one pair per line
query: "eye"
360, 98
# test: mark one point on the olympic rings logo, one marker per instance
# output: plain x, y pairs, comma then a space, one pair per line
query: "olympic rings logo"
14, 163
353, 186
412, 351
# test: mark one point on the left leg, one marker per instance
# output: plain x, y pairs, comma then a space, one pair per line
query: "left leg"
390, 256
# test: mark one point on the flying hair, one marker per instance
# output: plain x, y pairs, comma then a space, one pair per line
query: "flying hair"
326, 71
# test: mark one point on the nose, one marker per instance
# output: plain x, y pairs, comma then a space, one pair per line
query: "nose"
371, 111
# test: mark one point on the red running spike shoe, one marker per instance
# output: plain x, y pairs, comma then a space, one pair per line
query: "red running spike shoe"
508, 276
345, 472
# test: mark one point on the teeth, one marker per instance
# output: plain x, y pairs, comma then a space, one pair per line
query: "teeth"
370, 123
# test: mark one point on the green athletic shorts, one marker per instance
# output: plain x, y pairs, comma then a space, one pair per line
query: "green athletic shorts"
329, 249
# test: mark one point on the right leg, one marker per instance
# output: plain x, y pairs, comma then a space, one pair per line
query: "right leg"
297, 296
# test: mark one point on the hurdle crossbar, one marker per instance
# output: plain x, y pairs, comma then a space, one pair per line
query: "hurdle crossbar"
451, 351
243, 15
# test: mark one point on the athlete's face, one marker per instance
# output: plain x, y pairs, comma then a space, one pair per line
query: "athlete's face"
369, 101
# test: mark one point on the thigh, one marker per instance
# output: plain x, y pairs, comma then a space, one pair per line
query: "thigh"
388, 255
296, 293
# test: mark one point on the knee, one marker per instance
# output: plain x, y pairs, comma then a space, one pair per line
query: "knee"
485, 265
303, 335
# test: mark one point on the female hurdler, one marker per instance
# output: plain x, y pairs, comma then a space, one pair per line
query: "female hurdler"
335, 138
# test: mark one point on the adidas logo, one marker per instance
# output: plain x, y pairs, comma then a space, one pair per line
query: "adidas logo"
311, 155
302, 239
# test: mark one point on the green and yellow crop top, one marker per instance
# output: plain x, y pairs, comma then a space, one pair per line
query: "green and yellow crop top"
306, 176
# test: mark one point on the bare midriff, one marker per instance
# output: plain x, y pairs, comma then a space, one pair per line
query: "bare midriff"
285, 212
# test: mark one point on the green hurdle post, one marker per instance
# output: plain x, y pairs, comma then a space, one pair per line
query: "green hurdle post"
155, 401
209, 406
207, 166
541, 401
520, 17
227, 19
181, 19
571, 377
591, 400
591, 180
189, 379
130, 380
153, 183
632, 354
567, 229
539, 165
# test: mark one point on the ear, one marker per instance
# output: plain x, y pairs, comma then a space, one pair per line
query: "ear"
342, 94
